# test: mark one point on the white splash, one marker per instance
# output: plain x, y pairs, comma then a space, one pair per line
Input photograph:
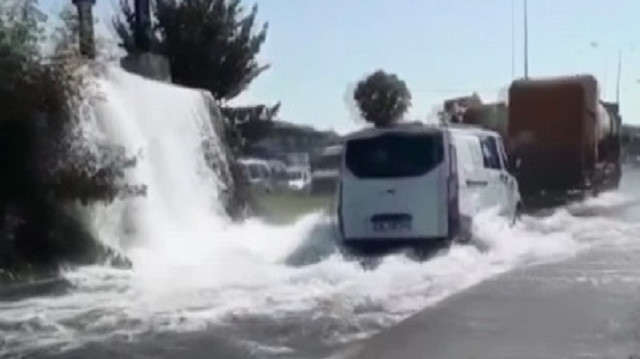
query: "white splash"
193, 269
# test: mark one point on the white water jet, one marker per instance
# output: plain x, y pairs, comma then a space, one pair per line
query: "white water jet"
167, 128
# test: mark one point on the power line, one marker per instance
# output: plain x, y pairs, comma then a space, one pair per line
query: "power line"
513, 39
526, 40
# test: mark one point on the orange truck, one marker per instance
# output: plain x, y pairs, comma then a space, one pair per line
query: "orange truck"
561, 138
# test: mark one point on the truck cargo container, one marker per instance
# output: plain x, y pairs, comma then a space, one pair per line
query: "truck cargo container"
492, 116
561, 138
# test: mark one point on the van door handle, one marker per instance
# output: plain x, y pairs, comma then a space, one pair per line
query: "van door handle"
477, 183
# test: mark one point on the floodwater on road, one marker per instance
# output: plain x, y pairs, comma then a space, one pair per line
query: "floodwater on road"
202, 286
266, 291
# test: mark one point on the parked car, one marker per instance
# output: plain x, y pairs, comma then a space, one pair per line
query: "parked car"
325, 170
279, 175
299, 179
417, 184
259, 174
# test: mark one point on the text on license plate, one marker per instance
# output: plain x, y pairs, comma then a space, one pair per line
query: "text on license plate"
391, 223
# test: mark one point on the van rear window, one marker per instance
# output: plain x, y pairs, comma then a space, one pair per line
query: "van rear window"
394, 155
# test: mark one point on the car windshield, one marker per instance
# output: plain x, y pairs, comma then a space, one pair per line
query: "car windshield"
394, 155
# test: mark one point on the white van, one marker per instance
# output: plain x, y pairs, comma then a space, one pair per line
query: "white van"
405, 183
398, 183
484, 180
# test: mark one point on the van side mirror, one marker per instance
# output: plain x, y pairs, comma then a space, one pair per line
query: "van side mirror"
514, 163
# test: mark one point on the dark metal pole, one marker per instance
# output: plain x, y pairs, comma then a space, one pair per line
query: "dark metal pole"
513, 39
143, 25
526, 41
85, 18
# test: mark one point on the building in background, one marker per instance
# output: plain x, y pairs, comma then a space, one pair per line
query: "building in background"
455, 108
293, 143
630, 144
492, 116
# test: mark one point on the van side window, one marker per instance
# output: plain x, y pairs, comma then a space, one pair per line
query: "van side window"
468, 157
503, 154
490, 153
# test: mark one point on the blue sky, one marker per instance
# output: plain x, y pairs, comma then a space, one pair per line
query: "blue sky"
441, 48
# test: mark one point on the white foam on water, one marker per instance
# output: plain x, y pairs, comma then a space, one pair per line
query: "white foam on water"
194, 269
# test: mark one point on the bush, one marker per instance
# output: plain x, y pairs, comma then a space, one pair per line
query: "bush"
45, 165
382, 98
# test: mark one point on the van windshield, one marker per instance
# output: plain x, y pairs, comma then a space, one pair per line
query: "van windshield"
394, 155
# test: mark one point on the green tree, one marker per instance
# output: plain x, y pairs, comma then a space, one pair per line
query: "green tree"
382, 98
44, 163
210, 44
21, 28
66, 36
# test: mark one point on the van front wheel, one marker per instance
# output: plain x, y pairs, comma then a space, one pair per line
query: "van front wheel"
517, 214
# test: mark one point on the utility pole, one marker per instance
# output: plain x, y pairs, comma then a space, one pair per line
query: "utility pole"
526, 41
144, 62
85, 18
143, 25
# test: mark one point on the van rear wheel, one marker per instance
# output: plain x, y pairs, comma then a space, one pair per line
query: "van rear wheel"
464, 234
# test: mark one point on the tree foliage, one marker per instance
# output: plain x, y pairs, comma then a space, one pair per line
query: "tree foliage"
44, 163
21, 27
66, 36
210, 44
249, 124
382, 98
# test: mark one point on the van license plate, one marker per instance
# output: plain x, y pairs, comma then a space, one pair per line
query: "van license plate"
391, 223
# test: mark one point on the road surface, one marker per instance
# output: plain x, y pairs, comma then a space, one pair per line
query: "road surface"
587, 307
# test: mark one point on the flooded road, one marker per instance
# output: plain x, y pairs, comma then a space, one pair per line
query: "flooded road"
203, 286
583, 307
287, 292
